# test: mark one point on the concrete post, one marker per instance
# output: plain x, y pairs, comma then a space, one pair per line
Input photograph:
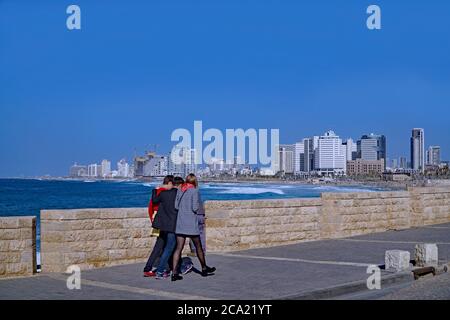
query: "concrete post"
426, 254
397, 260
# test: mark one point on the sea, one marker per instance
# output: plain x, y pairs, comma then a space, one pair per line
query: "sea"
26, 197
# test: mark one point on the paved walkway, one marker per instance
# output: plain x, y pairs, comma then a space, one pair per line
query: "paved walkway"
292, 271
428, 288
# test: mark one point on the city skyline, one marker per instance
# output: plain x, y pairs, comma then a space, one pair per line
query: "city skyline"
431, 155
319, 154
134, 73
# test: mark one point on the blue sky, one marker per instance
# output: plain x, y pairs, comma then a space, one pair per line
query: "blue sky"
140, 69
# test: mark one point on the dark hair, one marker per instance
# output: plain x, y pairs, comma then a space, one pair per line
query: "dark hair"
192, 179
178, 181
168, 179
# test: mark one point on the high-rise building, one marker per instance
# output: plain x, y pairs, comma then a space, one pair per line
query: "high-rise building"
351, 149
286, 158
310, 145
418, 149
394, 164
434, 155
131, 173
403, 163
106, 168
175, 167
151, 165
78, 171
299, 157
123, 169
190, 161
330, 155
182, 161
157, 166
94, 170
372, 147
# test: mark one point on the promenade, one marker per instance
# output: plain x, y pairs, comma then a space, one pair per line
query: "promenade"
312, 270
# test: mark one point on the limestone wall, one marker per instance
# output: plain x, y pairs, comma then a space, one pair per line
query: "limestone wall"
102, 237
92, 238
350, 214
17, 246
233, 225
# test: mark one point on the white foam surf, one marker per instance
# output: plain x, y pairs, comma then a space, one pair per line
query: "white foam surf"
250, 190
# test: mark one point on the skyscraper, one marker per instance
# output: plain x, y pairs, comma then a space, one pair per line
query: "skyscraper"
106, 168
286, 158
190, 161
394, 164
330, 155
299, 157
403, 163
94, 170
434, 155
372, 147
182, 161
418, 149
351, 149
310, 145
123, 169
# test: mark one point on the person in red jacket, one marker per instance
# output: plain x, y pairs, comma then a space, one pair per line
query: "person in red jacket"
149, 270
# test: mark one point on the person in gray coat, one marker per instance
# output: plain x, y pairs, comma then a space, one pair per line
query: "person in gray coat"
188, 204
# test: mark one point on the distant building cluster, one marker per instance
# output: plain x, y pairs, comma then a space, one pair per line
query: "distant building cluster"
102, 170
327, 155
154, 165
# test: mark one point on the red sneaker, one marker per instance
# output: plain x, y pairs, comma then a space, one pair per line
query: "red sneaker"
149, 274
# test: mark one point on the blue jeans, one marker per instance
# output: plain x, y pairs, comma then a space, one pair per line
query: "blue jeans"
171, 241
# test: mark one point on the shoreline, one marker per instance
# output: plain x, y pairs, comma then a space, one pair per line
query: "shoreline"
389, 185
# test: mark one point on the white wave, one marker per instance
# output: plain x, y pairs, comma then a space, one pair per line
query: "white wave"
285, 186
341, 189
150, 184
250, 190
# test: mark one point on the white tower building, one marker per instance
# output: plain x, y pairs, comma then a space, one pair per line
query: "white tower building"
418, 149
330, 155
106, 168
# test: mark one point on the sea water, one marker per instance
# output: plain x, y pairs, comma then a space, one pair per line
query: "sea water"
26, 197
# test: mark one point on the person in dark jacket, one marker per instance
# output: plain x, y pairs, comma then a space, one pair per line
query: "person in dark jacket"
166, 221
160, 241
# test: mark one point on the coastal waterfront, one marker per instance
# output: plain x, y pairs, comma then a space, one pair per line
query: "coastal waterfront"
25, 197
29, 196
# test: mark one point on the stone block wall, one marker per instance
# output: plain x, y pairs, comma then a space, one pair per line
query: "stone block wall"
234, 225
92, 238
350, 214
429, 205
17, 246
